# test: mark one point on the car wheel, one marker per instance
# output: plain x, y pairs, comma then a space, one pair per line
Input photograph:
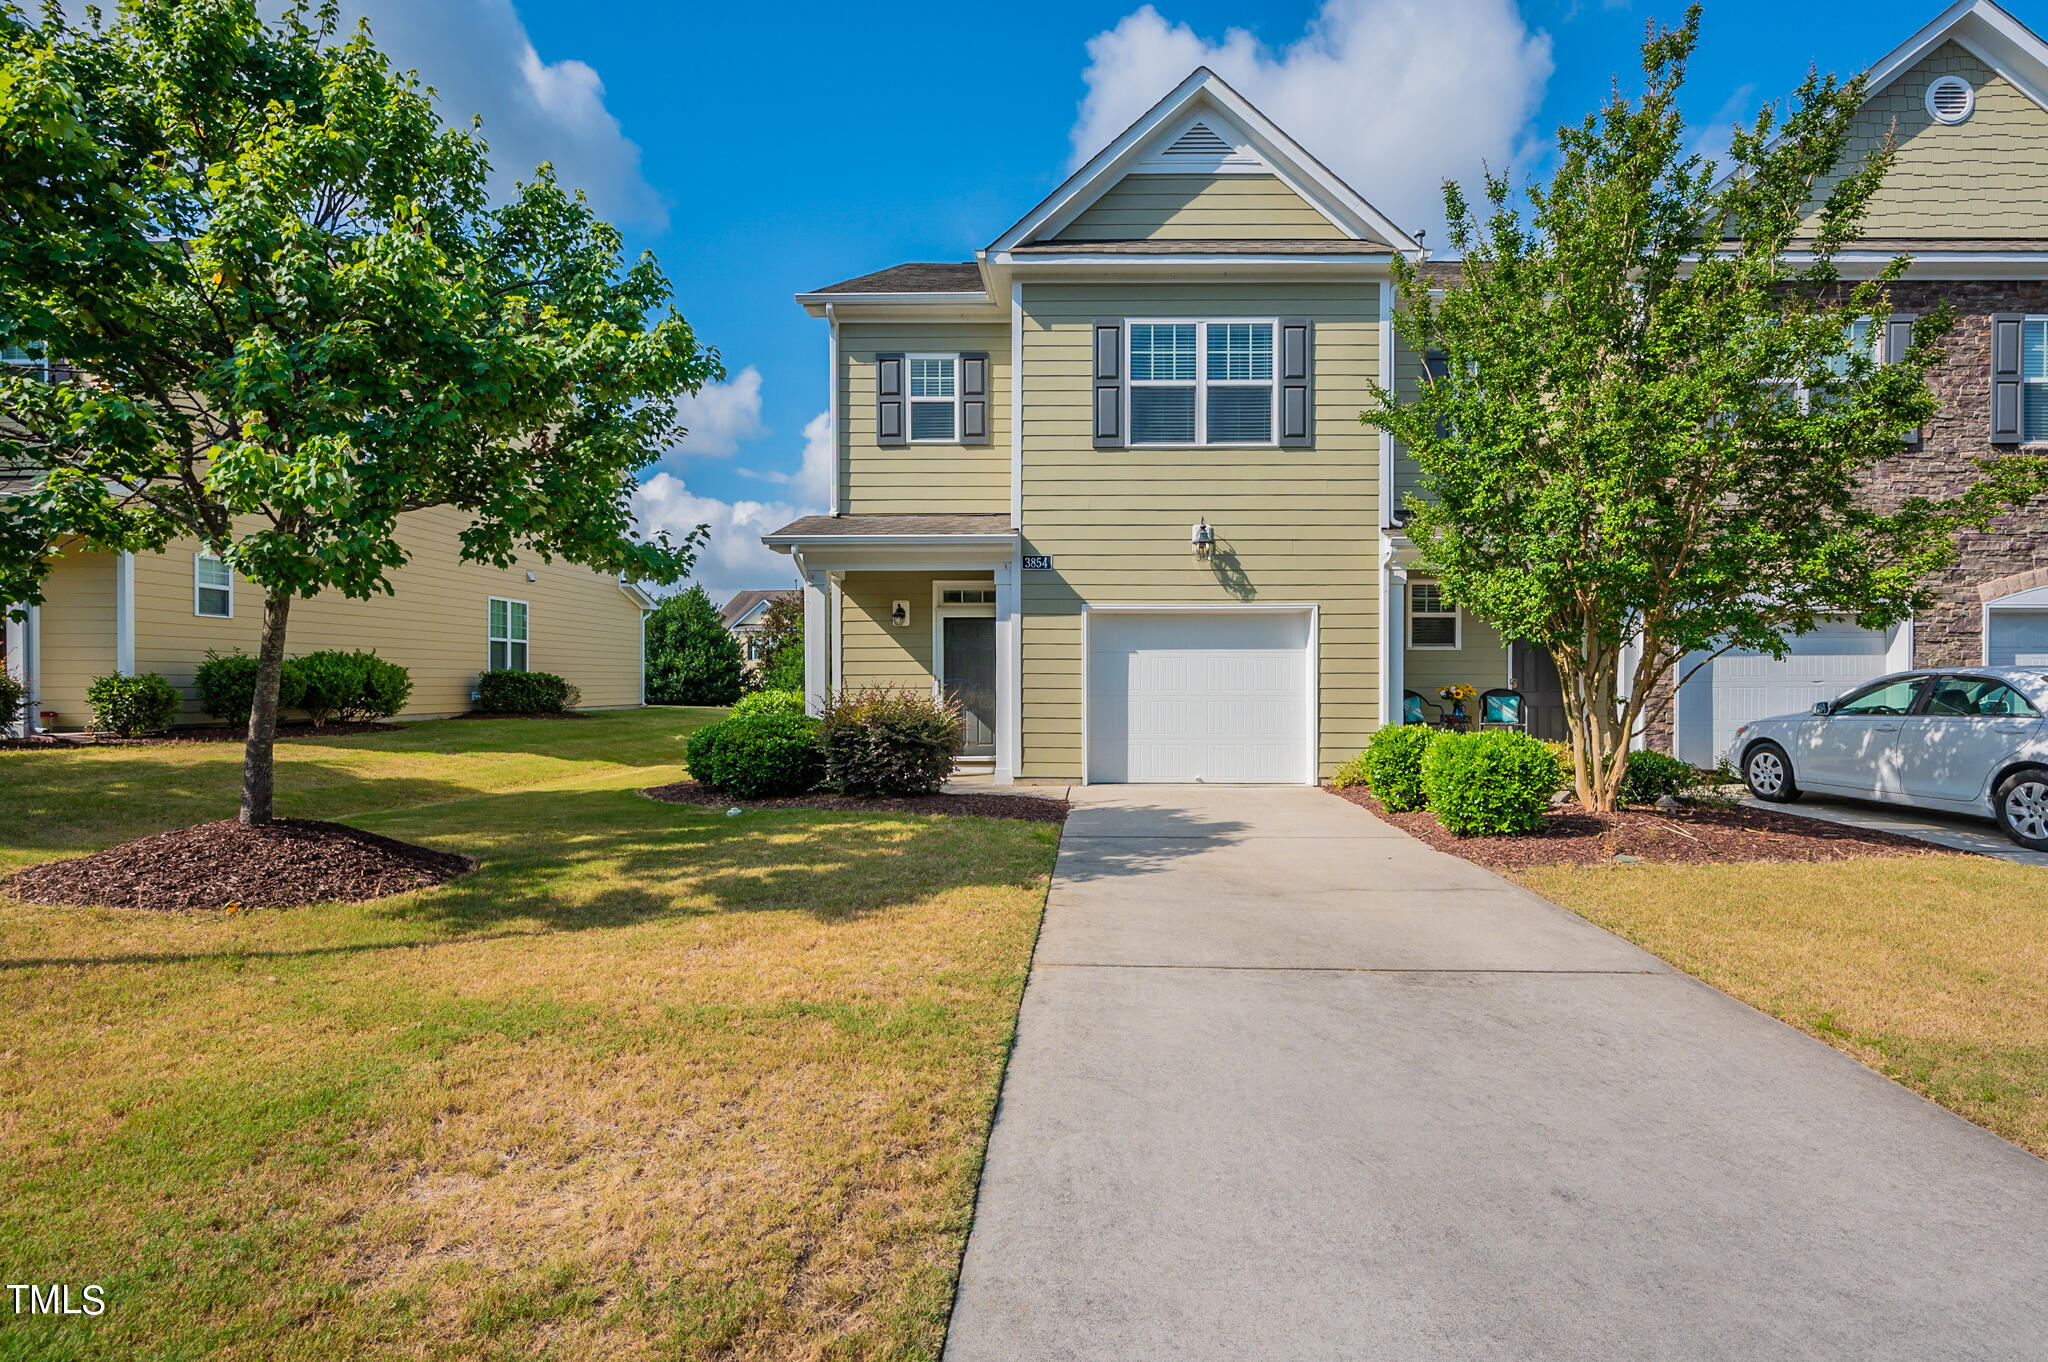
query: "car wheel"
2022, 805
1768, 773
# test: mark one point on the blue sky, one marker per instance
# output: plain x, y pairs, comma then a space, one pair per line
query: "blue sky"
760, 150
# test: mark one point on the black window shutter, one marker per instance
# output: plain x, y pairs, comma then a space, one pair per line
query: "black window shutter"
1297, 383
1898, 338
1109, 385
2005, 378
974, 399
891, 420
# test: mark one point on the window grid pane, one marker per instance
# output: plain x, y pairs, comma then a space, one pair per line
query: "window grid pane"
2034, 392
518, 620
516, 656
1240, 415
1163, 352
1163, 416
498, 656
931, 378
931, 420
497, 619
1240, 352
215, 602
1427, 598
1434, 631
213, 572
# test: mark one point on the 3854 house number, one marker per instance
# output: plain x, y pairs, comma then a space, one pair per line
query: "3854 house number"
1038, 562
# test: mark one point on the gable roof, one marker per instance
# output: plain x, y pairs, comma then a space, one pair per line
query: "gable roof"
1994, 37
743, 604
916, 277
1203, 124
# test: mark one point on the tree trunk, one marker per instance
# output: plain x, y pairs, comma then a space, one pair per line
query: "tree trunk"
259, 764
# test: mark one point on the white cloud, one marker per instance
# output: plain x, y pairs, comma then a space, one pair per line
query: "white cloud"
735, 559
477, 56
812, 482
1391, 94
720, 415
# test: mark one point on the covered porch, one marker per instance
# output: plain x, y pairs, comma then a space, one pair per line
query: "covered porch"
915, 602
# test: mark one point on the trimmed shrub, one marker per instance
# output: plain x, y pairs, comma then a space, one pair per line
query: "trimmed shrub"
765, 756
1653, 775
341, 684
769, 702
130, 705
227, 686
691, 658
1493, 783
1349, 774
13, 699
1392, 762
890, 742
700, 752
503, 692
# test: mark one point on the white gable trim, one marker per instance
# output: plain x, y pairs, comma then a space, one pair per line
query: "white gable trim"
1985, 31
1283, 157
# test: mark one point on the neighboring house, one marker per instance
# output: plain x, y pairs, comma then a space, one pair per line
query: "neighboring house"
1107, 483
744, 615
448, 622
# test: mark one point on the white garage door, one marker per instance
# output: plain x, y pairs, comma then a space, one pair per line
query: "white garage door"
1738, 687
2019, 638
1215, 696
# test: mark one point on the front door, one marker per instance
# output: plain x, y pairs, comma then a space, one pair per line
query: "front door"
968, 675
1542, 692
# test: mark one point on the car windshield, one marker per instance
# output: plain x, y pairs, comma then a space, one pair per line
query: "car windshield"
1974, 696
1885, 697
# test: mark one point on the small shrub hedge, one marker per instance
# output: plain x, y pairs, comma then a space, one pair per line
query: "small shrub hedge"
13, 699
1493, 783
761, 756
890, 742
504, 692
769, 702
227, 686
132, 705
353, 686
1392, 765
1653, 775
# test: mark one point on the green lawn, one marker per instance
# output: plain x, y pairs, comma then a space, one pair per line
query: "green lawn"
1932, 970
654, 1082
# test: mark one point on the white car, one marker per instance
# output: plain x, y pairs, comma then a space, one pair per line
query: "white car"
1965, 740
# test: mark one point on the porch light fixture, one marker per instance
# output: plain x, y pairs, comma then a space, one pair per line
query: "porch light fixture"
899, 614
1202, 539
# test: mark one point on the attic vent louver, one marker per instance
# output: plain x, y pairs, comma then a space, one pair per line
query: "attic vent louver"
1951, 100
1198, 140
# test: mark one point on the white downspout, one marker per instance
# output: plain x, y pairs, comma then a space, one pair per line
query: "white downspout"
124, 614
832, 401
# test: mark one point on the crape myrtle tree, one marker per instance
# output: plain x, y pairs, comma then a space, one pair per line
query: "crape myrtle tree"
1655, 410
294, 316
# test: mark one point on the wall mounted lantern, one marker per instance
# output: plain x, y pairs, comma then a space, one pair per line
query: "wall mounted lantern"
1202, 540
899, 614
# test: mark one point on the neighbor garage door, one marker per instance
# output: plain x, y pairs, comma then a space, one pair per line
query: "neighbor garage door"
2018, 638
1738, 687
1216, 695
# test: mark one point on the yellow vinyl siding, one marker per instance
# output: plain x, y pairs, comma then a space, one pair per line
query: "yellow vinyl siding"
1984, 178
77, 632
1200, 207
1293, 526
581, 625
921, 478
1480, 660
874, 652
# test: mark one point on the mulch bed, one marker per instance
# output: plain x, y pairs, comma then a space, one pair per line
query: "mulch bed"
1685, 836
291, 862
178, 737
1030, 807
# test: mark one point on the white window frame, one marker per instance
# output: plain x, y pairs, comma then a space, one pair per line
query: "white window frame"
1203, 383
911, 404
491, 639
202, 556
2029, 385
1456, 613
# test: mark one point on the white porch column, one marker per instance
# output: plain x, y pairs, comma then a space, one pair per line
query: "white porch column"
1009, 676
1393, 637
124, 614
817, 638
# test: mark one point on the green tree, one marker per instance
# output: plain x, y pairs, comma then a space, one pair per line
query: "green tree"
781, 641
691, 657
302, 318
1655, 414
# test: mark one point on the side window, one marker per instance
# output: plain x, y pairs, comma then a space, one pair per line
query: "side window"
934, 398
1894, 696
1432, 621
1976, 696
213, 587
508, 635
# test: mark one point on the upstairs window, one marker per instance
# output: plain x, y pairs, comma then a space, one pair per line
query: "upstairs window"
934, 398
2034, 381
508, 635
213, 587
1201, 383
1432, 621
35, 359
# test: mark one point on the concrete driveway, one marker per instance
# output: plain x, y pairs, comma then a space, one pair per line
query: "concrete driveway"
1289, 1084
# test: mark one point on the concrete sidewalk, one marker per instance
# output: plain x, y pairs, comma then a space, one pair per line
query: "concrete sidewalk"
1289, 1084
1943, 829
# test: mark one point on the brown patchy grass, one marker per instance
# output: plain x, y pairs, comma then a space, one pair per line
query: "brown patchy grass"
654, 1082
1932, 970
